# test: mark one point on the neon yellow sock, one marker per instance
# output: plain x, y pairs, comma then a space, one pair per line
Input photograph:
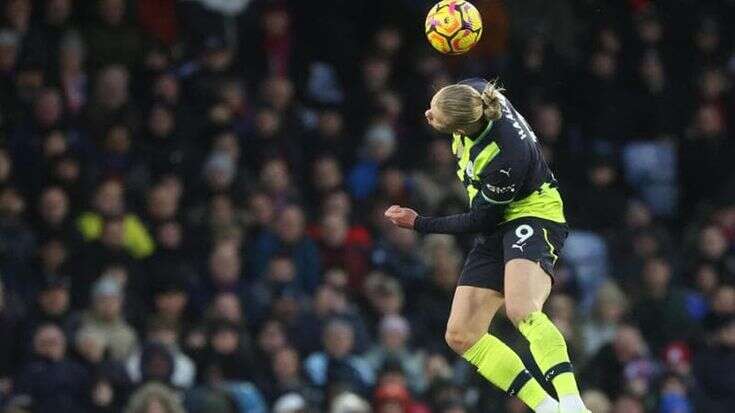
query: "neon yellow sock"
501, 366
549, 350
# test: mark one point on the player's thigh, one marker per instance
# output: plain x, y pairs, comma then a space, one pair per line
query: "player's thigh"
527, 286
473, 308
531, 248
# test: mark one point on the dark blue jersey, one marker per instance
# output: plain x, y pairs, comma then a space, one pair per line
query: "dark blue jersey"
505, 175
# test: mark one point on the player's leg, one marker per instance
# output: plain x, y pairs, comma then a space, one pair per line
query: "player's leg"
472, 311
527, 286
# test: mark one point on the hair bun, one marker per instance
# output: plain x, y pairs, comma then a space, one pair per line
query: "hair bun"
491, 101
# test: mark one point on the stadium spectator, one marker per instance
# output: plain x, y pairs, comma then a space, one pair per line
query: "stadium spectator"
602, 324
105, 316
224, 274
110, 384
156, 397
289, 235
109, 203
52, 304
394, 333
164, 333
51, 379
626, 361
715, 360
344, 247
337, 365
661, 311
286, 375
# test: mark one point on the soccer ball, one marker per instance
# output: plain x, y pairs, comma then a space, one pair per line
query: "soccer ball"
453, 26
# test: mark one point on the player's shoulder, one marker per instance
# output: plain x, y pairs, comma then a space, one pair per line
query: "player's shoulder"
507, 127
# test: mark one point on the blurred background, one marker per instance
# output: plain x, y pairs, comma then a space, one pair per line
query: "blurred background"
191, 199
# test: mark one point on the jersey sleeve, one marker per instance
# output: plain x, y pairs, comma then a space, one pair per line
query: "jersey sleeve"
475, 221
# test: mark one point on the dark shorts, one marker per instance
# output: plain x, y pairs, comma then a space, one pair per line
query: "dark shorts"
534, 239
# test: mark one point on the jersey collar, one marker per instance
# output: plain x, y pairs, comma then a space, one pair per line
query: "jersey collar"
458, 139
484, 132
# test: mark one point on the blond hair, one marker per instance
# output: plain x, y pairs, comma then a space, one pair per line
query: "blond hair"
462, 105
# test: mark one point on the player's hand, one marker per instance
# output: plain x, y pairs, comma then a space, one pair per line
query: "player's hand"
403, 217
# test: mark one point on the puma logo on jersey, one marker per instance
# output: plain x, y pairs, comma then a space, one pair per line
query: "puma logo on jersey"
520, 247
505, 172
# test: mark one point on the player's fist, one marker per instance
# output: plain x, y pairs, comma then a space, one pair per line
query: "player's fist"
403, 217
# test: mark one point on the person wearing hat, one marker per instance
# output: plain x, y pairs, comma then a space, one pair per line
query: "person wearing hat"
105, 316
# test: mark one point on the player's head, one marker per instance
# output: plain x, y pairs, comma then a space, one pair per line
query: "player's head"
458, 107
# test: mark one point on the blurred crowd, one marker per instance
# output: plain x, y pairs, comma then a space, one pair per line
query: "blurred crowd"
191, 199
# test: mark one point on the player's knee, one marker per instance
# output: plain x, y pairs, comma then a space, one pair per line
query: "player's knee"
517, 311
459, 340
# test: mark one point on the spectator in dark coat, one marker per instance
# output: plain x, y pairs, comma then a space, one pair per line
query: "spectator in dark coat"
601, 204
714, 364
111, 40
110, 102
289, 238
52, 306
328, 303
224, 275
286, 375
106, 374
16, 237
278, 281
661, 312
337, 364
613, 368
226, 352
27, 143
9, 349
55, 217
53, 382
397, 254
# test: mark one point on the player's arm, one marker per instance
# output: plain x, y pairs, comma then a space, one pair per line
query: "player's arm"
475, 221
498, 189
478, 220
